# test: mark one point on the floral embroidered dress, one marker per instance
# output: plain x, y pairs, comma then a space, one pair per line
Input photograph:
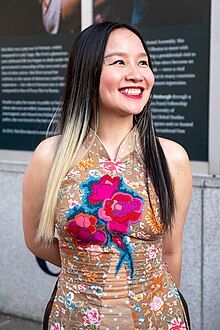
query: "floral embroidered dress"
110, 238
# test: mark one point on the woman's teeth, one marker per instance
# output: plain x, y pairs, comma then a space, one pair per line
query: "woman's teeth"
131, 91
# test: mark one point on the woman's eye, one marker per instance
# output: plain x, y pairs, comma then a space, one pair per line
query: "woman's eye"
118, 62
145, 63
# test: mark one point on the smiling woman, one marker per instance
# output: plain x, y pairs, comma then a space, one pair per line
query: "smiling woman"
126, 79
116, 194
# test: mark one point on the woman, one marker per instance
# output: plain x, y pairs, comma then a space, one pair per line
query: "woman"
116, 194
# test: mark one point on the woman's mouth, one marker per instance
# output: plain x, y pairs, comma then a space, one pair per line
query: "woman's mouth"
132, 92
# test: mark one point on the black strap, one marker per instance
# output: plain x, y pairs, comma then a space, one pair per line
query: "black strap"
185, 308
48, 309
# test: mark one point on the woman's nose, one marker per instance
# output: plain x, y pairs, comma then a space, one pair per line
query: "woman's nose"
133, 74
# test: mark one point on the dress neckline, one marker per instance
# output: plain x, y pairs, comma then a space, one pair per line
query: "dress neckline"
127, 146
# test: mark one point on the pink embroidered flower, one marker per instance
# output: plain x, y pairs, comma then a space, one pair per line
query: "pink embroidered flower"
104, 188
84, 231
112, 166
177, 324
56, 326
81, 287
156, 304
152, 252
120, 211
92, 317
72, 203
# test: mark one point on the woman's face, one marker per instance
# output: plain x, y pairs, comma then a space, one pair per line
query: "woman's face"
126, 79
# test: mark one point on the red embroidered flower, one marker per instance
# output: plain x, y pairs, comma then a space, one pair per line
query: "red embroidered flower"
118, 241
120, 212
104, 188
112, 165
177, 324
84, 231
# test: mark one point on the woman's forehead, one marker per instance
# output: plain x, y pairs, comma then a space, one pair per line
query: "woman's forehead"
123, 40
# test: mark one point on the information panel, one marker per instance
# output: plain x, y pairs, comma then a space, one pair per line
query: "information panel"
34, 42
177, 34
35, 39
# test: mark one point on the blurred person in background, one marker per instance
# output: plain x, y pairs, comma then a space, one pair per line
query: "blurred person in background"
64, 15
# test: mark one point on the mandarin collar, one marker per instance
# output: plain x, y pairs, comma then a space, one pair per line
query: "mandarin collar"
130, 142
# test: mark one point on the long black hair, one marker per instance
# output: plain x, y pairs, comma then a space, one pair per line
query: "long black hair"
81, 100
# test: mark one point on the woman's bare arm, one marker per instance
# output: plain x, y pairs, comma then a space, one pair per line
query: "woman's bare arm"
34, 186
179, 167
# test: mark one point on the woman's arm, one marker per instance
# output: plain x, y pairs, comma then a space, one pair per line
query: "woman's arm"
180, 171
34, 186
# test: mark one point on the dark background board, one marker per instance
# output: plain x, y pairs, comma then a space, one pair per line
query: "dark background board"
25, 17
188, 124
32, 77
33, 64
25, 116
20, 17
166, 24
142, 13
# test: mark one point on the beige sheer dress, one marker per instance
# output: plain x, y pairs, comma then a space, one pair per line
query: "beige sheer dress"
110, 236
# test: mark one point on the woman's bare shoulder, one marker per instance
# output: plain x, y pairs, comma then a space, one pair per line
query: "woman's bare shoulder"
174, 152
46, 150
179, 166
42, 159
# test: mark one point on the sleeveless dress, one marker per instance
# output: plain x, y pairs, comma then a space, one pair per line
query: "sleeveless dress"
110, 238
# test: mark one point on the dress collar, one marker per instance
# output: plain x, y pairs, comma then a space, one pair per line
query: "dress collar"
93, 143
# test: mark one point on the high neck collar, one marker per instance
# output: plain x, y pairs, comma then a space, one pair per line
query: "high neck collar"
127, 146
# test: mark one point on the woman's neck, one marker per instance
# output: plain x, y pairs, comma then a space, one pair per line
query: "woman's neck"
112, 132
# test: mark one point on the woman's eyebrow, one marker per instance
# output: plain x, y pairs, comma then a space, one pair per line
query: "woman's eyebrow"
123, 54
